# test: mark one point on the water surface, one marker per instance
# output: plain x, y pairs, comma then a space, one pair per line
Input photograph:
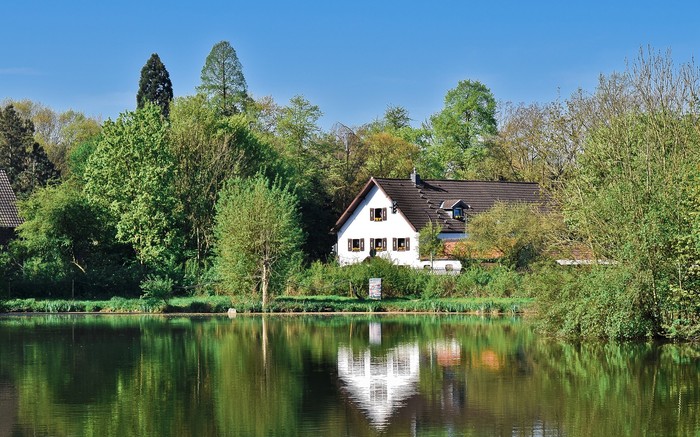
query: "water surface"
334, 376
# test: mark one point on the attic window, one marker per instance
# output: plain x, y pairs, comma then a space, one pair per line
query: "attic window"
458, 213
377, 214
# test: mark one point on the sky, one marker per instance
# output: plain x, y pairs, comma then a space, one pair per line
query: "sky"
352, 59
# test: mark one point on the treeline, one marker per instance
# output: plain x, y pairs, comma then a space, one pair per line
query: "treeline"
222, 192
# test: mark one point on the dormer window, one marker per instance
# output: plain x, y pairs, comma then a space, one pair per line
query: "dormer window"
456, 207
377, 214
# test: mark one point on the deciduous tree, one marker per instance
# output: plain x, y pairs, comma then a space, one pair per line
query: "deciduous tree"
223, 81
132, 173
461, 128
258, 236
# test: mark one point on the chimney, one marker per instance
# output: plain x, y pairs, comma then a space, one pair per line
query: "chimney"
415, 178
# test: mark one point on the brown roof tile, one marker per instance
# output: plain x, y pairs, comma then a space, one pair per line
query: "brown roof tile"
9, 218
422, 203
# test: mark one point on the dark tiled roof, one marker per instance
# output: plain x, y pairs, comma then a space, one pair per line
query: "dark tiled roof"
419, 204
8, 204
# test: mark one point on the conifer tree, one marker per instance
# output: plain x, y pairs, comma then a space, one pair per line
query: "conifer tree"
223, 81
23, 159
155, 86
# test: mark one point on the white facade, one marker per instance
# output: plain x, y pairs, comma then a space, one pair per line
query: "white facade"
374, 219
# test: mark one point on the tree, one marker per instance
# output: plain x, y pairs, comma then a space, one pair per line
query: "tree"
462, 127
518, 231
258, 236
209, 149
223, 81
62, 229
131, 173
57, 133
429, 242
396, 117
23, 159
155, 86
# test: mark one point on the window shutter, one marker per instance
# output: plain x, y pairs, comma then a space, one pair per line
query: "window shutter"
362, 244
394, 244
349, 244
371, 243
408, 244
384, 214
384, 243
371, 214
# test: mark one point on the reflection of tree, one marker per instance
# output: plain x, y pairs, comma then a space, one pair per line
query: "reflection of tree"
182, 376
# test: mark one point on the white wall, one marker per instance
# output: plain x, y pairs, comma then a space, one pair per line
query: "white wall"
359, 225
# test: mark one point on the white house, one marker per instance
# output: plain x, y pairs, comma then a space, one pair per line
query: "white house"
386, 216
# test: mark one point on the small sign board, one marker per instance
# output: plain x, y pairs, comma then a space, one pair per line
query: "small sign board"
375, 288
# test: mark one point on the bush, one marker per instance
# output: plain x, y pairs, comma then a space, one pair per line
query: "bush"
157, 288
596, 302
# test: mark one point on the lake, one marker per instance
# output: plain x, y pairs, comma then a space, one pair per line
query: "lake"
406, 375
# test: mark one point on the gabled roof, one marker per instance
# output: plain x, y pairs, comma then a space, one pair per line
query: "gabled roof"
422, 203
9, 218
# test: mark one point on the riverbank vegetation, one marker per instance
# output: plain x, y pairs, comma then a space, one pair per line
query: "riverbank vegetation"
180, 198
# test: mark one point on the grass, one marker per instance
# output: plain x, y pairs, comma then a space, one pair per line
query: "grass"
282, 304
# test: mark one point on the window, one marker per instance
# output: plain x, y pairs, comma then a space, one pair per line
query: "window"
401, 244
378, 244
458, 213
377, 214
356, 244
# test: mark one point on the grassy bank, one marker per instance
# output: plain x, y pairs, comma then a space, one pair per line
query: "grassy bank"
283, 304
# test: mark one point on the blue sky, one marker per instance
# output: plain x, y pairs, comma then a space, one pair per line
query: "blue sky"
352, 59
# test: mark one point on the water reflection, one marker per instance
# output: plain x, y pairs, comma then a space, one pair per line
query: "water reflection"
359, 376
378, 382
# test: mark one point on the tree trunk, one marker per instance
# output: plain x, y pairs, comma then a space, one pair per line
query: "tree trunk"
265, 282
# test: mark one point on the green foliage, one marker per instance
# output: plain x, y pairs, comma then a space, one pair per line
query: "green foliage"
460, 130
25, 162
157, 288
258, 236
223, 81
61, 232
207, 150
131, 173
519, 232
600, 302
155, 86
629, 198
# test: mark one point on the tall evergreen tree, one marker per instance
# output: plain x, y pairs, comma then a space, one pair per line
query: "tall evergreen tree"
155, 85
23, 159
223, 81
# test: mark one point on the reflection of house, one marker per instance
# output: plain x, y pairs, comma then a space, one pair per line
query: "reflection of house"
9, 219
449, 353
378, 384
386, 216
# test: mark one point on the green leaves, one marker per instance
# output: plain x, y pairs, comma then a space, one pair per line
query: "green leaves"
131, 173
258, 236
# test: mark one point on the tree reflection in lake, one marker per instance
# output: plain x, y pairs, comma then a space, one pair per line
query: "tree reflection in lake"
360, 375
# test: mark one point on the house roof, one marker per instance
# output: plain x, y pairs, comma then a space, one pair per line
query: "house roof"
420, 203
9, 218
